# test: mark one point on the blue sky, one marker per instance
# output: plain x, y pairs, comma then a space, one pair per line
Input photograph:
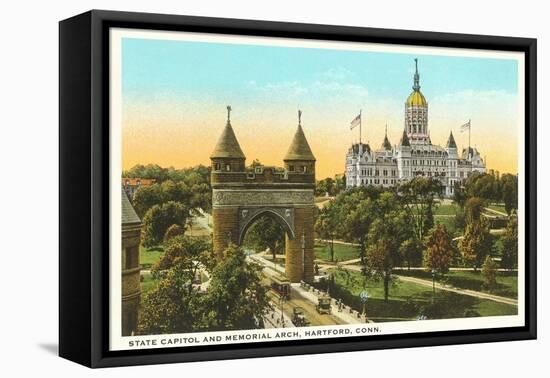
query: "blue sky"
213, 68
174, 96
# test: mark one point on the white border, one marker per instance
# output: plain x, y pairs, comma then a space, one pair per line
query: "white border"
117, 342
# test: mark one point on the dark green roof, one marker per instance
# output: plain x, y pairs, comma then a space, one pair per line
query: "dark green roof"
228, 146
129, 215
299, 148
405, 139
451, 142
386, 145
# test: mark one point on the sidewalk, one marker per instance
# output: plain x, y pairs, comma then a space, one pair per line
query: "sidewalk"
344, 315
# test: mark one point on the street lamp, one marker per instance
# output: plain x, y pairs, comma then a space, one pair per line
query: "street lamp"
304, 254
282, 302
363, 297
433, 285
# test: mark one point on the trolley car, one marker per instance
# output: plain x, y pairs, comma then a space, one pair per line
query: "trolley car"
281, 285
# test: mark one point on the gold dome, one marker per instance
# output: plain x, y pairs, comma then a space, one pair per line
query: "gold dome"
416, 98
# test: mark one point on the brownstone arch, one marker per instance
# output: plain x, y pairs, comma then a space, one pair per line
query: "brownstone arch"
241, 194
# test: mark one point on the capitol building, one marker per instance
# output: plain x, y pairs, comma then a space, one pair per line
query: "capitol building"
415, 155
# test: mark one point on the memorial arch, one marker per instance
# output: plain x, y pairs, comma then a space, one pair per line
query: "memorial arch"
241, 195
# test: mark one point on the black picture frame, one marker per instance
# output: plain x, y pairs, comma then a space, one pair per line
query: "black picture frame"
84, 186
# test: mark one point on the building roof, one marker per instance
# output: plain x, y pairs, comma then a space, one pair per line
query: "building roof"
129, 215
405, 140
451, 142
386, 144
228, 145
416, 98
133, 181
299, 148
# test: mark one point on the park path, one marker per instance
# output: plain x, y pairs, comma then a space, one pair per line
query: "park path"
428, 283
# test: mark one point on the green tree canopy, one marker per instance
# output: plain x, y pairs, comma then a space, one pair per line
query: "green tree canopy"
157, 220
411, 251
265, 232
418, 196
489, 273
236, 298
510, 245
389, 229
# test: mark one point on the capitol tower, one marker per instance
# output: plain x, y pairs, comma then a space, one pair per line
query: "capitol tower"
414, 155
416, 113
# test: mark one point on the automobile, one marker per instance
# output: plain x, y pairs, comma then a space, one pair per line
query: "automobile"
324, 305
299, 318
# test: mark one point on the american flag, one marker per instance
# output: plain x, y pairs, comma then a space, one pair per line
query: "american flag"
465, 127
356, 121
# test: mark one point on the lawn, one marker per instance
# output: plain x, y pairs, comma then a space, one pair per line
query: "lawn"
408, 300
446, 209
507, 282
149, 256
147, 283
342, 252
449, 223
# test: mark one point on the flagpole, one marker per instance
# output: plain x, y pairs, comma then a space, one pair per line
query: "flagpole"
469, 134
360, 125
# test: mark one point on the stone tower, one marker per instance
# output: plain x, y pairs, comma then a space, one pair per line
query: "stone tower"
416, 113
241, 195
131, 288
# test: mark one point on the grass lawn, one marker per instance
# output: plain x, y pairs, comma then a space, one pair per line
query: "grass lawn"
342, 252
446, 209
408, 300
147, 284
149, 256
507, 282
449, 223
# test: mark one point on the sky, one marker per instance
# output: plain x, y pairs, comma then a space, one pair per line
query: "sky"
175, 93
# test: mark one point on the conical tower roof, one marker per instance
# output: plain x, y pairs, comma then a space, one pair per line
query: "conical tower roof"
405, 140
299, 148
228, 145
386, 144
451, 142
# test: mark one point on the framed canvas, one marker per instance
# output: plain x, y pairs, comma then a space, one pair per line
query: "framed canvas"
235, 188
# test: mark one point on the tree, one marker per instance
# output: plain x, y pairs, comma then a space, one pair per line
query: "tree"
473, 209
236, 298
171, 307
146, 197
489, 273
386, 234
173, 231
418, 196
157, 220
326, 226
265, 233
411, 251
325, 186
476, 243
509, 192
459, 194
191, 253
510, 245
439, 250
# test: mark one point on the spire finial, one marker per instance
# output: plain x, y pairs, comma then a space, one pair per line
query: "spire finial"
386, 130
299, 118
228, 113
416, 85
